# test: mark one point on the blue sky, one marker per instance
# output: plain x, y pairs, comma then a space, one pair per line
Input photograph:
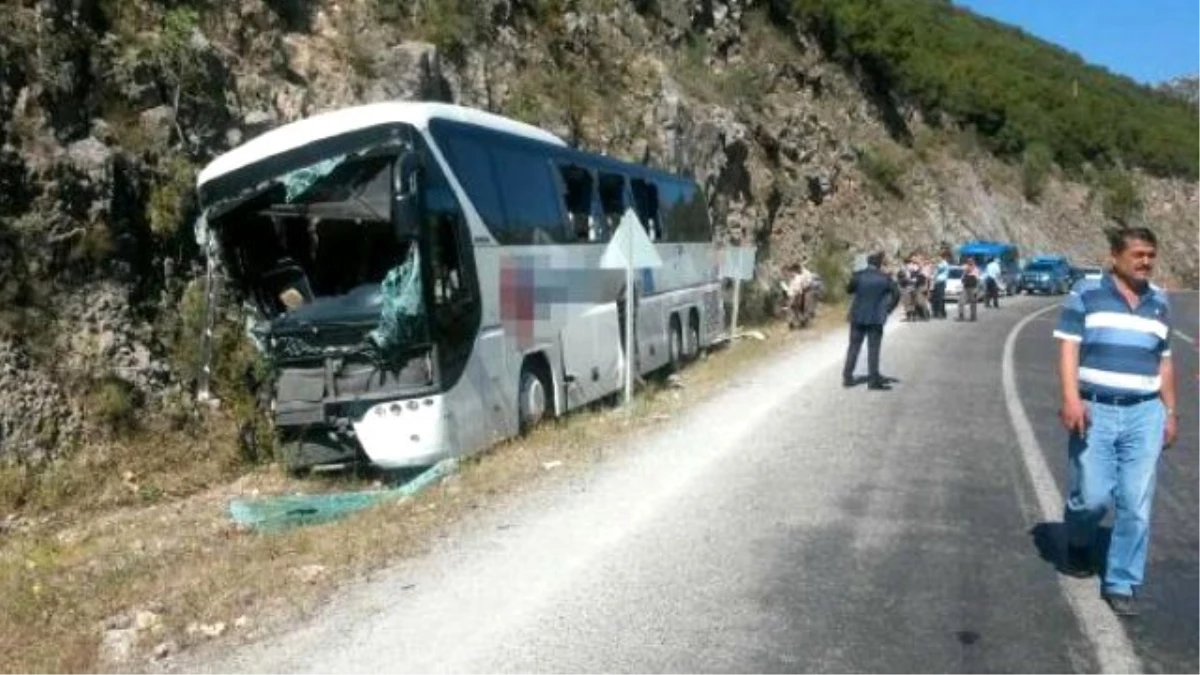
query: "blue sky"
1148, 40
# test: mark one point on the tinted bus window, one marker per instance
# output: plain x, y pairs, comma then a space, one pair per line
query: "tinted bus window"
510, 186
576, 192
530, 197
645, 200
612, 200
684, 212
472, 163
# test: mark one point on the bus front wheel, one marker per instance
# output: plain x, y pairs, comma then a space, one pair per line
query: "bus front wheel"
534, 397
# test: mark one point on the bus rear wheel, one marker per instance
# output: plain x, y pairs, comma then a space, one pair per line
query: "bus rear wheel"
534, 397
675, 346
693, 336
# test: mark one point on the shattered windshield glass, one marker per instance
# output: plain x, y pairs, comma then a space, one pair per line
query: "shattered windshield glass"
400, 320
319, 247
300, 180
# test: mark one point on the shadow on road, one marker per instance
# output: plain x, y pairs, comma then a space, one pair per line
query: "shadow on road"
1050, 539
864, 379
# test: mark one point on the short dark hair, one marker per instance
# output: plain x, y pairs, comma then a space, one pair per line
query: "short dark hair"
1119, 238
875, 259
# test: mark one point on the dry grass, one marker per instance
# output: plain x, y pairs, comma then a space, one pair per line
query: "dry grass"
139, 467
187, 562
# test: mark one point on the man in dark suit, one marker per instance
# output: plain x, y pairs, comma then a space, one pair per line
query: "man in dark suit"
875, 296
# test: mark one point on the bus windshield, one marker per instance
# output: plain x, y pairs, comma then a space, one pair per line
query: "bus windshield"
320, 246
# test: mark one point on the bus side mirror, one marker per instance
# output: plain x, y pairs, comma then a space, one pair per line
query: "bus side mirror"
406, 212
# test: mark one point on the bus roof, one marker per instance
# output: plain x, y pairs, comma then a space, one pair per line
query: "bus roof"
986, 247
327, 125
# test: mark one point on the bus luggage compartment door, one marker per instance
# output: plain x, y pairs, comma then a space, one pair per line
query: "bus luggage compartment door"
591, 353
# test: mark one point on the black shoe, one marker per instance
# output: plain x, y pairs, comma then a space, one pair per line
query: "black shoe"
1122, 605
879, 385
1078, 562
848, 382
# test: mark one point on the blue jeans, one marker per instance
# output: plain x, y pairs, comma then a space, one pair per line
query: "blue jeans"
1116, 460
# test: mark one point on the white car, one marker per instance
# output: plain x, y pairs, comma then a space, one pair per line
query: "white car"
954, 283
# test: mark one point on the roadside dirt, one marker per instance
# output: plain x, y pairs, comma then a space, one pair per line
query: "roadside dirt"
130, 589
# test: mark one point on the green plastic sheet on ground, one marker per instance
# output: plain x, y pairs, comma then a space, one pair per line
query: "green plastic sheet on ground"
276, 514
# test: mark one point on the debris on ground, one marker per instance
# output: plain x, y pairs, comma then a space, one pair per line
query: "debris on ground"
116, 646
310, 573
274, 514
164, 649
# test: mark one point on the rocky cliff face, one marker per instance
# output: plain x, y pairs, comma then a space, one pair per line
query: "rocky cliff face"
108, 107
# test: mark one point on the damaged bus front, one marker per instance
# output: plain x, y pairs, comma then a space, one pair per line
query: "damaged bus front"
330, 243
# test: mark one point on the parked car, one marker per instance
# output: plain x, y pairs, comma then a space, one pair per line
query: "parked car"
954, 283
1050, 275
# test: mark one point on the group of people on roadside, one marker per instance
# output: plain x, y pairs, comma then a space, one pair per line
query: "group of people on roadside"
922, 284
1117, 385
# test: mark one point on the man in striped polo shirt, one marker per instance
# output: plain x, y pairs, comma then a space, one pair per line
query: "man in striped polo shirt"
1118, 403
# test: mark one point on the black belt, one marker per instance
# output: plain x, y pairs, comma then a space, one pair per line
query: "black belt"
1121, 399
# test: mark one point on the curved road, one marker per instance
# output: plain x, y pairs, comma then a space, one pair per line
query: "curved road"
787, 525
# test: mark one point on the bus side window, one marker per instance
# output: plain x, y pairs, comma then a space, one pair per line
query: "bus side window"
453, 301
685, 212
645, 202
612, 199
577, 197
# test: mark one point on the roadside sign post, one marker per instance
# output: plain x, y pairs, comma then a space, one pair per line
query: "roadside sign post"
629, 248
738, 264
737, 303
629, 351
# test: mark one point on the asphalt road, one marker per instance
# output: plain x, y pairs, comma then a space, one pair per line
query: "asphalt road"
788, 525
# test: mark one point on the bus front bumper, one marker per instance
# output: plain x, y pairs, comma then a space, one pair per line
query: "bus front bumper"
405, 433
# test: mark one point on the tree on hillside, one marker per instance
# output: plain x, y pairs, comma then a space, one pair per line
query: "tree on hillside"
1017, 91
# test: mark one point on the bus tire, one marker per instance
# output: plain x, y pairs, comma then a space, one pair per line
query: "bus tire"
692, 348
535, 395
674, 345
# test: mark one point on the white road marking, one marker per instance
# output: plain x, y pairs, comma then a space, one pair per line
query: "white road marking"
1103, 629
1183, 336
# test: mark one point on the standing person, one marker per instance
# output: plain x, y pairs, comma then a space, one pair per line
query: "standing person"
904, 283
1118, 403
875, 297
798, 289
808, 299
940, 275
970, 289
992, 274
927, 271
920, 283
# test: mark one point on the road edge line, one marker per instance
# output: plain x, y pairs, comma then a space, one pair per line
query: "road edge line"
1103, 629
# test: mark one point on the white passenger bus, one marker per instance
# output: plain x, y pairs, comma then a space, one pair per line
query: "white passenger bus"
426, 277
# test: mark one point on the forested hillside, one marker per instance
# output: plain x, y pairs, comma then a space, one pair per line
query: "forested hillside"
1023, 95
